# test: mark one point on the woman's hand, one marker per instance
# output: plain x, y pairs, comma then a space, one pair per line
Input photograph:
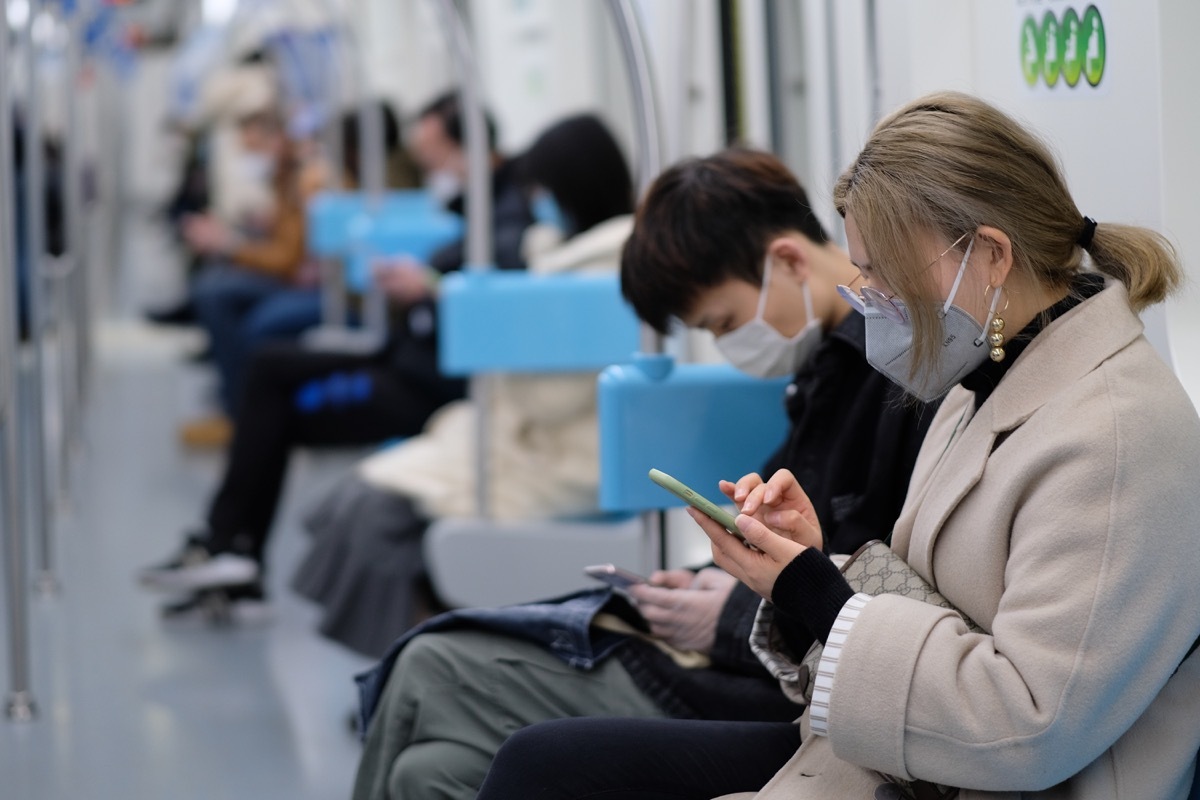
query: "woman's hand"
207, 235
776, 517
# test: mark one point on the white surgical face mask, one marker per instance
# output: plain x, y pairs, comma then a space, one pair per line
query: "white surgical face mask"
964, 344
756, 348
256, 166
443, 185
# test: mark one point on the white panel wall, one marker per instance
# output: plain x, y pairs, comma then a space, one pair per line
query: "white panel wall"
1178, 21
685, 47
1128, 147
541, 60
403, 55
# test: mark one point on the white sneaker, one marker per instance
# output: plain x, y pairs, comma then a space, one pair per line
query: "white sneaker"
243, 607
223, 569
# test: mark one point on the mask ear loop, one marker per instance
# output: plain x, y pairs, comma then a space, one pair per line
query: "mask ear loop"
809, 316
762, 290
962, 270
987, 323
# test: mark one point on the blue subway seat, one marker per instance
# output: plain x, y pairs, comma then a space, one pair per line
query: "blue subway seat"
697, 422
503, 321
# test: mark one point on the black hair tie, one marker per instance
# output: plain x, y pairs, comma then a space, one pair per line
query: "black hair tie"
1089, 230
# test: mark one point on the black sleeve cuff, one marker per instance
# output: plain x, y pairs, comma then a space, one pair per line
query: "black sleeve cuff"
812, 591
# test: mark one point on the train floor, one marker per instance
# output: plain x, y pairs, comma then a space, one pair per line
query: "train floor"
132, 706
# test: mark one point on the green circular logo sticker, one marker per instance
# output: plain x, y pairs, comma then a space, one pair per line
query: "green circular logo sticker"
1053, 59
1072, 46
1033, 50
1093, 44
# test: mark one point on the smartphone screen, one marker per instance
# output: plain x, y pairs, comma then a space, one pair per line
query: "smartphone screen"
697, 501
613, 575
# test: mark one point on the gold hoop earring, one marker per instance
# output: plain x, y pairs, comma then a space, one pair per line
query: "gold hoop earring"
996, 338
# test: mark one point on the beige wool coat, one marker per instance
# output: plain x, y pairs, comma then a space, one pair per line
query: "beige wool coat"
543, 439
1064, 518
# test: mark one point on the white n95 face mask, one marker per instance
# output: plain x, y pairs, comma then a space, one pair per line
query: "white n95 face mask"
964, 344
756, 348
443, 185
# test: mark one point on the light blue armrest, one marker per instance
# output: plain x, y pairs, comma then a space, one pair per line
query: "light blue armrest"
506, 321
697, 422
331, 216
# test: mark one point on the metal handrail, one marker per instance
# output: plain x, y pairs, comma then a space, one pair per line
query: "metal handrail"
641, 83
650, 158
479, 251
35, 243
648, 127
19, 705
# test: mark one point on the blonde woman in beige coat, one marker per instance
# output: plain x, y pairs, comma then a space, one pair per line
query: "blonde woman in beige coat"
1054, 503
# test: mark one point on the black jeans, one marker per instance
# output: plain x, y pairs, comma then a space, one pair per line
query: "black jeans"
638, 759
296, 397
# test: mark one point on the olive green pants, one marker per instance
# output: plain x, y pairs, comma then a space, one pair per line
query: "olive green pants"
454, 697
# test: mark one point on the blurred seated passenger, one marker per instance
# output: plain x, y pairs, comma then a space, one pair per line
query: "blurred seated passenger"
1048, 500
265, 290
215, 179
295, 396
727, 244
365, 566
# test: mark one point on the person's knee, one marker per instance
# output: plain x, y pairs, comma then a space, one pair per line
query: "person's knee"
437, 771
427, 661
210, 292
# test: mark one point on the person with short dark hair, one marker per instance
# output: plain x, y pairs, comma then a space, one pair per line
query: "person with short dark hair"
728, 244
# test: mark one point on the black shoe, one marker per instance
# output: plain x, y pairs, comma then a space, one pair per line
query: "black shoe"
195, 569
244, 605
183, 313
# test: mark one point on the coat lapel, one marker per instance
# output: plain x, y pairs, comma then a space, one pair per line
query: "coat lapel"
957, 472
1068, 349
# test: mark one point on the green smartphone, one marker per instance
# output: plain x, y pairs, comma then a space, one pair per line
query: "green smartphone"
697, 501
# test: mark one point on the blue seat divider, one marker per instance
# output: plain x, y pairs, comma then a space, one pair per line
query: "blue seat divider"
697, 422
332, 216
506, 321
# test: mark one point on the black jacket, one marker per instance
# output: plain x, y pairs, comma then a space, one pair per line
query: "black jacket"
852, 444
412, 348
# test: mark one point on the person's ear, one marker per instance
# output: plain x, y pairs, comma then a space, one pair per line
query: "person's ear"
995, 248
790, 258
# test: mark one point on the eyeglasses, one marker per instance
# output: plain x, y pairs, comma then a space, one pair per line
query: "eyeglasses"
870, 297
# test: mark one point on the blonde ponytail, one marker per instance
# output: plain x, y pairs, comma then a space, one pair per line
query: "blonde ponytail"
1142, 259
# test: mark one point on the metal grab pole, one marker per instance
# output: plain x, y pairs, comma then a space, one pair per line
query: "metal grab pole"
35, 244
333, 278
645, 100
480, 248
19, 705
78, 214
371, 169
650, 158
69, 337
